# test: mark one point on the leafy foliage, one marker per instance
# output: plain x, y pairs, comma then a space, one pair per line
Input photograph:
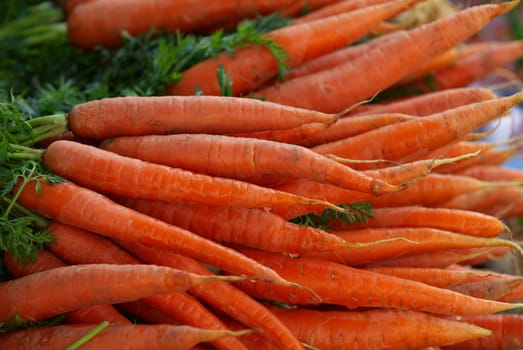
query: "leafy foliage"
355, 212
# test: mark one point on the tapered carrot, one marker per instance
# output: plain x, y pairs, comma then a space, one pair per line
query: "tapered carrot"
83, 208
493, 173
328, 91
301, 6
46, 261
298, 135
484, 200
248, 227
507, 332
462, 221
440, 258
223, 296
94, 23
436, 189
445, 59
78, 246
141, 312
419, 136
244, 159
126, 116
429, 103
474, 67
335, 8
492, 289
437, 277
111, 173
251, 67
354, 125
70, 288
136, 336
375, 329
342, 285
406, 240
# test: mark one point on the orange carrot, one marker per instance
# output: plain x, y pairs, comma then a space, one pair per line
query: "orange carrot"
328, 91
130, 116
375, 329
298, 135
401, 241
223, 296
95, 24
462, 221
492, 289
428, 103
484, 200
493, 173
89, 210
250, 67
336, 8
141, 312
244, 159
70, 288
507, 333
142, 337
473, 67
342, 285
78, 246
111, 173
249, 227
46, 261
419, 136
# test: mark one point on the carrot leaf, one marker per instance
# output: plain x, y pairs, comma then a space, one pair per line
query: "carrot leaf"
224, 81
16, 323
355, 212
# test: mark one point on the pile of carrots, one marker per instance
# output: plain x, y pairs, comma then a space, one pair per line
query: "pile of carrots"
176, 217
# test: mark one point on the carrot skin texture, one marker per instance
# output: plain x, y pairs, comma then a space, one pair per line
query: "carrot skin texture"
342, 285
82, 247
138, 17
132, 116
250, 67
460, 221
375, 329
244, 159
46, 261
142, 337
91, 211
115, 284
249, 227
507, 333
224, 296
410, 50
421, 135
111, 173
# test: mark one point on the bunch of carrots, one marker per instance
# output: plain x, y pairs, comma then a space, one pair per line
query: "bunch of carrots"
295, 212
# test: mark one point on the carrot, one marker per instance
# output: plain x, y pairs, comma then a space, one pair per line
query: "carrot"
412, 240
69, 5
131, 116
473, 67
94, 23
492, 289
428, 103
354, 125
336, 8
440, 258
244, 159
298, 135
111, 173
342, 285
89, 210
78, 246
25, 296
437, 189
250, 67
484, 200
375, 329
461, 221
301, 6
249, 227
46, 261
139, 336
141, 312
223, 296
437, 277
493, 173
507, 330
327, 91
421, 135
334, 58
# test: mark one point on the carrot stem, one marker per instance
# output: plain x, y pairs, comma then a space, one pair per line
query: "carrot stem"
92, 333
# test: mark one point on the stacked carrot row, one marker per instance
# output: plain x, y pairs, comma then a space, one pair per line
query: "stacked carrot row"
180, 211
